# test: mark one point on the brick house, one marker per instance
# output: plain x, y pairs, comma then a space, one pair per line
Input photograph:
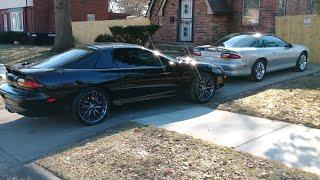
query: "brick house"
205, 21
38, 16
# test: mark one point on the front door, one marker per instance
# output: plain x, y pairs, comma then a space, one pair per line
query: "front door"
186, 26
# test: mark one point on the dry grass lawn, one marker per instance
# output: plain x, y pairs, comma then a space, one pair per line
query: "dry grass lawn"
296, 101
151, 153
12, 54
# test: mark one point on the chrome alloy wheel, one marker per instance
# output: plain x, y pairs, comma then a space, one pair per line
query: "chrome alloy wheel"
260, 70
93, 107
205, 88
303, 62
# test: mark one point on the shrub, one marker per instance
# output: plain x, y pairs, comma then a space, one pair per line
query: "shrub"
134, 34
10, 37
105, 38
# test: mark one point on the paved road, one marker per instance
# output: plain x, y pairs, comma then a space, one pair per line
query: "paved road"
296, 146
24, 140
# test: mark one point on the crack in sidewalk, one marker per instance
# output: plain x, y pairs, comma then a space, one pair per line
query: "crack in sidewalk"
261, 136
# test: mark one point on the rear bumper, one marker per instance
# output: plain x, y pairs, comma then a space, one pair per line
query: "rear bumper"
26, 103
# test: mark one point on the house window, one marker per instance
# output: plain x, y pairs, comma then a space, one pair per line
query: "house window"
185, 31
5, 22
91, 17
186, 9
282, 7
251, 12
309, 6
16, 19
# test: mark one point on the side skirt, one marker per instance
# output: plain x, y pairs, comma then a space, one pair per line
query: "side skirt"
144, 98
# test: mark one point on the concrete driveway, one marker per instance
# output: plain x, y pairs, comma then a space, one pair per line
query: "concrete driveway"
23, 140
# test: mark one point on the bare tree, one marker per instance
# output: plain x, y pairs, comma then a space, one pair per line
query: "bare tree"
138, 7
64, 37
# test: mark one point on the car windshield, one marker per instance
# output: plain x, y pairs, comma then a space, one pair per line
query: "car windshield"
64, 58
237, 41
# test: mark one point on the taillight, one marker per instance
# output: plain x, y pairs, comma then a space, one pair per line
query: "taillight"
230, 56
196, 53
28, 83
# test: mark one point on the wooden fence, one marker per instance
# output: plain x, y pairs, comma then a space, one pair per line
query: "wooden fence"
86, 32
303, 30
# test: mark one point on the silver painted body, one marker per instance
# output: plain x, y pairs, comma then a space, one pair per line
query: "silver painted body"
278, 58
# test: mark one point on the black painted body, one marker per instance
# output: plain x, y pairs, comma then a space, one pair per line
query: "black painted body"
123, 85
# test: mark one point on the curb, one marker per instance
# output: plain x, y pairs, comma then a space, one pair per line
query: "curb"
33, 171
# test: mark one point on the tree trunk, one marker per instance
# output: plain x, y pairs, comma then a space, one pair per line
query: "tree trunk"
64, 38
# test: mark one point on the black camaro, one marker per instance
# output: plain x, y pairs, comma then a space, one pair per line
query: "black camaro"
87, 81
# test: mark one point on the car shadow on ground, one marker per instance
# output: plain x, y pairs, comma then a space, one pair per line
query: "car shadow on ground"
25, 139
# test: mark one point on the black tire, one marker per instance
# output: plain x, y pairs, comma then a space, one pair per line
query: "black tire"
301, 64
258, 71
197, 91
93, 103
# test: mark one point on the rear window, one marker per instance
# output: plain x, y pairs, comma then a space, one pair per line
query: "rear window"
62, 59
238, 41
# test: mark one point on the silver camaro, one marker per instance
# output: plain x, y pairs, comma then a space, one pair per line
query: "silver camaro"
253, 54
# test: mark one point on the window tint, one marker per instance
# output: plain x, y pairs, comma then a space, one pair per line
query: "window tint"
86, 62
271, 41
239, 41
133, 57
105, 60
63, 59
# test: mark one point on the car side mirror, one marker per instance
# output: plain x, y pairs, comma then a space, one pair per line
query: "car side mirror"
171, 63
289, 46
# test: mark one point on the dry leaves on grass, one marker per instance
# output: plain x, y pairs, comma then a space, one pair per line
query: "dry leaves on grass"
296, 101
150, 153
12, 54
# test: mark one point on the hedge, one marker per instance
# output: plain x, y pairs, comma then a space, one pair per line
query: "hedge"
134, 34
10, 37
105, 38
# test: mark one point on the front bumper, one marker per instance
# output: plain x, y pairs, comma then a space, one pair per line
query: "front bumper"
25, 102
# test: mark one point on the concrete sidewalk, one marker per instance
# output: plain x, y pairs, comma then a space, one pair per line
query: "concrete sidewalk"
2, 71
294, 145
